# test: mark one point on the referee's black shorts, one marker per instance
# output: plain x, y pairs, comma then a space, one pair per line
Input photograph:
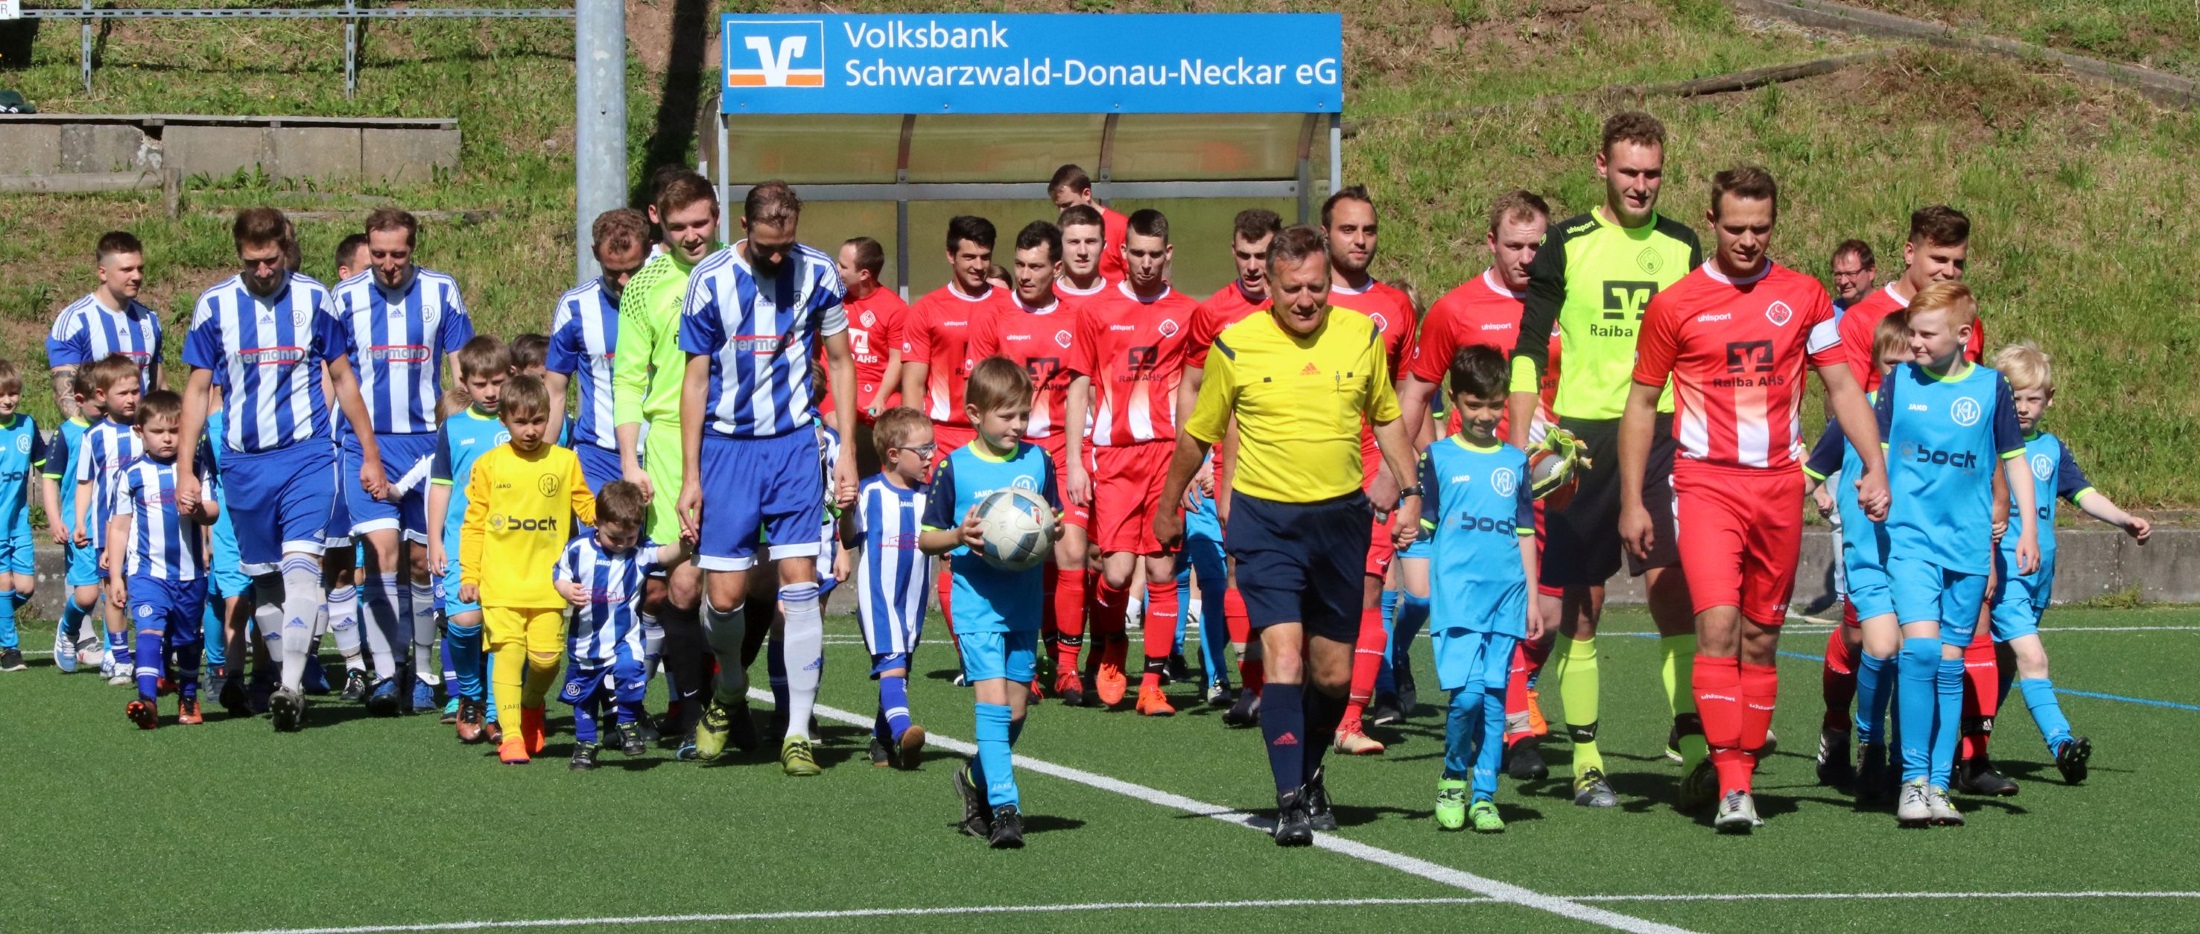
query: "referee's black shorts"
1581, 545
1302, 562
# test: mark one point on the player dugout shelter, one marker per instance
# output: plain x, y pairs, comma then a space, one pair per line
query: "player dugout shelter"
889, 125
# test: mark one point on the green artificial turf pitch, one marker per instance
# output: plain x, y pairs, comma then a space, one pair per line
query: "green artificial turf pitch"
374, 824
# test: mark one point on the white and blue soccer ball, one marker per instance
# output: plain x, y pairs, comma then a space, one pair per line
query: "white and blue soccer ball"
1014, 523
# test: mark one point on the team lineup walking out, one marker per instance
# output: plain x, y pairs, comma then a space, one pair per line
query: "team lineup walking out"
1067, 451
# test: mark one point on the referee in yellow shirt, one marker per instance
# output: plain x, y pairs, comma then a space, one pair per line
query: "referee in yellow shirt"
1300, 381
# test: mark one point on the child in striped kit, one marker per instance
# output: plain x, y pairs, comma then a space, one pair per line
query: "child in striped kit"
890, 574
156, 556
601, 575
106, 448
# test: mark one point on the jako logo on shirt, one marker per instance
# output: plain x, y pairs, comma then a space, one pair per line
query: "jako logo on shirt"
1965, 411
2043, 467
1502, 480
783, 53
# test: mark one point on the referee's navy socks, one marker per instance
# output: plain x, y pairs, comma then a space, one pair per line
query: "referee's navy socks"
1283, 726
1323, 713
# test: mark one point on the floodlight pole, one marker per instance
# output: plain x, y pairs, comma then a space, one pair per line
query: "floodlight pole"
599, 138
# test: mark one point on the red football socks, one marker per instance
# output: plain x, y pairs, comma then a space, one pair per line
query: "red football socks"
1837, 680
1160, 627
1250, 670
1069, 617
1367, 663
1981, 694
1717, 684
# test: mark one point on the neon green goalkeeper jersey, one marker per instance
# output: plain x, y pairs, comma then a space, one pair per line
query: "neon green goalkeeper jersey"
648, 367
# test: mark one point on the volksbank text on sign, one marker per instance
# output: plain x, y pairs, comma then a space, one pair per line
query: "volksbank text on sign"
1040, 63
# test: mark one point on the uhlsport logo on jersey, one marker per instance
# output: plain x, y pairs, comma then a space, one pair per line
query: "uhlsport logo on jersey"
1502, 480
2043, 467
1965, 411
775, 53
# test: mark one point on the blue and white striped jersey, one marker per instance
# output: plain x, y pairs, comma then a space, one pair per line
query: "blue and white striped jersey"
761, 337
607, 625
108, 447
894, 576
583, 334
266, 354
396, 341
163, 545
88, 330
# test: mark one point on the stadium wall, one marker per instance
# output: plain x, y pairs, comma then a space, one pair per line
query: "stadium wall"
317, 148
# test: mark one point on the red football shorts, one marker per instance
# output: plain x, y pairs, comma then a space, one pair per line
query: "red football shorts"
1740, 533
947, 439
1126, 493
1057, 448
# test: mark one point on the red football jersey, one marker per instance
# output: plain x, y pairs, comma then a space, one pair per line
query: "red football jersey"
936, 332
1393, 314
1133, 351
1113, 226
1039, 340
1860, 325
1736, 352
874, 330
1481, 311
1226, 307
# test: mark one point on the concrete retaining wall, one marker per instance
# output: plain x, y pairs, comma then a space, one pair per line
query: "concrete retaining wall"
2090, 563
317, 148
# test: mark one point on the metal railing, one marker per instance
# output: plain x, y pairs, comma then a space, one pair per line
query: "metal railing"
351, 13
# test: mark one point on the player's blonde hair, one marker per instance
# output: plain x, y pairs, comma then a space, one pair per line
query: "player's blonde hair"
2025, 366
1951, 298
1891, 337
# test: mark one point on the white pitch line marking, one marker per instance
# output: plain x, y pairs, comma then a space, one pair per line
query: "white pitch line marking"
1445, 875
828, 915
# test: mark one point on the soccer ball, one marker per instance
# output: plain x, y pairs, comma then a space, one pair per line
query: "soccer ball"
1014, 524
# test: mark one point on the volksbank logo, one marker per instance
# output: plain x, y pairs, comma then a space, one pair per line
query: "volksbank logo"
775, 53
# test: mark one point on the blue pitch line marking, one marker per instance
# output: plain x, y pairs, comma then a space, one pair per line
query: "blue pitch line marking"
2173, 705
2145, 701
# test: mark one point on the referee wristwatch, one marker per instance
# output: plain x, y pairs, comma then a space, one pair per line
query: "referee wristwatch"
1414, 490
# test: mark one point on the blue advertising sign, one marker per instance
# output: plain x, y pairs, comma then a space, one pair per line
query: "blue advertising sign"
1033, 63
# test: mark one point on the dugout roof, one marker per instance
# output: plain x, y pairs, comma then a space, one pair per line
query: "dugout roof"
802, 101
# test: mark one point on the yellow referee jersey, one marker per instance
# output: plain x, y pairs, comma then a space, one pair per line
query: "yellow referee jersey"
1299, 403
519, 515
